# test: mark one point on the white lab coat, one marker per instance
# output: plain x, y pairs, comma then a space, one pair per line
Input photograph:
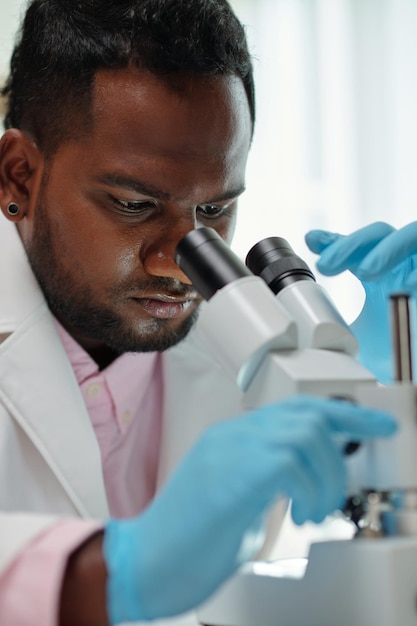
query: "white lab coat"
49, 457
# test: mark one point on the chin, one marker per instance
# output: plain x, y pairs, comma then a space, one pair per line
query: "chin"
155, 337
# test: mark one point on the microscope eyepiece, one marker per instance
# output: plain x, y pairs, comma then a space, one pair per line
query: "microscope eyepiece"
275, 261
208, 261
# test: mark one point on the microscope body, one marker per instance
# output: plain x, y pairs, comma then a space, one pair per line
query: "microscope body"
358, 581
255, 338
296, 342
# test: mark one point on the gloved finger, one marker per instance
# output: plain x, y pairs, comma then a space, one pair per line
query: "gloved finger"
328, 465
411, 281
297, 484
391, 251
301, 442
353, 420
319, 240
277, 455
312, 476
323, 461
347, 252
360, 422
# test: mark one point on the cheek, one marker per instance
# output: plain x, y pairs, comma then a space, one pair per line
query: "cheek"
85, 241
126, 260
108, 258
94, 249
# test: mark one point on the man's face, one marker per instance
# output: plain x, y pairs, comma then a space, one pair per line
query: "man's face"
161, 159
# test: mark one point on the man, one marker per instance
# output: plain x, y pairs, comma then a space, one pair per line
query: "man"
129, 124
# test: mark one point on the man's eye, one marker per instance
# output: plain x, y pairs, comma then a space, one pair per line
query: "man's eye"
137, 206
211, 211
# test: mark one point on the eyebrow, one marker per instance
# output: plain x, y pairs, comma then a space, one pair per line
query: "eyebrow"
125, 182
132, 184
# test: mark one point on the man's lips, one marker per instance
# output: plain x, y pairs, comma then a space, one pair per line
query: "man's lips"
165, 306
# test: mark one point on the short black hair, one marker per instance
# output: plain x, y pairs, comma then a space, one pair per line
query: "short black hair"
63, 43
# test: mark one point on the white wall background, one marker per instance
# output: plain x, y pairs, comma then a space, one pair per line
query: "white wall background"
336, 138
10, 13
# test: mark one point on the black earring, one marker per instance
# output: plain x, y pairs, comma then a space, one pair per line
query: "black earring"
13, 208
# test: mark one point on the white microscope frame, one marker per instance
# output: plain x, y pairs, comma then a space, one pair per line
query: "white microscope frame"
276, 346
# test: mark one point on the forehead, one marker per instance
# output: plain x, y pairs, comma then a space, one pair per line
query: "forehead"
186, 115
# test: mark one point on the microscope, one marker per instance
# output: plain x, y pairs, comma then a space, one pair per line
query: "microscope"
276, 331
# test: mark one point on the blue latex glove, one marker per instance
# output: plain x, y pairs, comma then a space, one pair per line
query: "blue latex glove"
189, 540
385, 261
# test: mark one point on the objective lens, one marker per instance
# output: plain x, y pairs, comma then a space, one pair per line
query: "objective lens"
275, 261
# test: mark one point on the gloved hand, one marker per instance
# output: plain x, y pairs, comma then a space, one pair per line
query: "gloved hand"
189, 540
385, 261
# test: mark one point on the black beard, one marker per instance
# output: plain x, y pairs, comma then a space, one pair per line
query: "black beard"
72, 304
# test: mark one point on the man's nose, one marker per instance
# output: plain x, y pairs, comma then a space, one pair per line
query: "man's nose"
158, 256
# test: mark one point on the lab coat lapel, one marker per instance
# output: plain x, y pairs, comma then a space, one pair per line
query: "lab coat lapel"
38, 386
50, 409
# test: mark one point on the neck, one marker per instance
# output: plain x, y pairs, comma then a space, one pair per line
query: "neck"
102, 354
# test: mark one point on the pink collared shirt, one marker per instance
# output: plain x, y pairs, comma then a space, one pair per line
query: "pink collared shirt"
124, 403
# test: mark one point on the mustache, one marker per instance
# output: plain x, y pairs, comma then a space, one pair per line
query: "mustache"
162, 284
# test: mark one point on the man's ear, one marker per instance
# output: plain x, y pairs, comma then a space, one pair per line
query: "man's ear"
21, 167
